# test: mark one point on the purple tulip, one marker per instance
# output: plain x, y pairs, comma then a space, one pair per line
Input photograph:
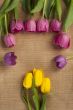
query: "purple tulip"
9, 40
30, 26
42, 25
10, 58
55, 25
62, 40
60, 61
16, 26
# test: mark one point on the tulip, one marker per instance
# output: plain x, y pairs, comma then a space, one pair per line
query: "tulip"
62, 40
30, 26
55, 25
42, 25
38, 77
45, 87
9, 40
60, 61
27, 82
10, 58
16, 26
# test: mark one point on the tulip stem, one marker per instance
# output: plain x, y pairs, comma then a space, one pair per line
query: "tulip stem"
35, 96
0, 27
6, 27
43, 106
29, 106
44, 3
16, 12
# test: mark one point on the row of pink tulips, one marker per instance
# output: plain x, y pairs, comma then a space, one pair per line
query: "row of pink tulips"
61, 39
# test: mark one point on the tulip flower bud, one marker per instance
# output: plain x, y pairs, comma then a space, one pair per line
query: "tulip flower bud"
38, 77
10, 58
27, 82
55, 25
9, 40
60, 61
16, 26
42, 25
62, 40
45, 87
30, 26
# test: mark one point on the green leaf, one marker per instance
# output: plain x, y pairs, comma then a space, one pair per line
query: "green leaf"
28, 102
36, 93
16, 12
6, 24
52, 12
43, 106
12, 5
26, 4
25, 98
67, 2
23, 95
33, 3
36, 99
35, 102
69, 18
59, 8
0, 27
38, 7
48, 4
5, 5
2, 21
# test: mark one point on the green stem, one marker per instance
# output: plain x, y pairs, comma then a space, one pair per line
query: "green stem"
67, 2
0, 28
16, 13
43, 9
43, 106
23, 95
29, 105
52, 11
6, 26
35, 97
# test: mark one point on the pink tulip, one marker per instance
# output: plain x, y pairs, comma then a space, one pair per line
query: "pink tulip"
30, 26
9, 40
16, 26
42, 25
62, 40
55, 25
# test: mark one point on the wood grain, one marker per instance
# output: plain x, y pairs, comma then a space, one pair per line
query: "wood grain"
36, 50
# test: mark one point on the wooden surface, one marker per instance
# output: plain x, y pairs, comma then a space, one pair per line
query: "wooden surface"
36, 50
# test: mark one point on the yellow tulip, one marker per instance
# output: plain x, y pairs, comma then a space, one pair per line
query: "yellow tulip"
45, 87
38, 77
27, 82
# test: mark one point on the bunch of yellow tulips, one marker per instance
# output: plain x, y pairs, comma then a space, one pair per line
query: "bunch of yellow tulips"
39, 85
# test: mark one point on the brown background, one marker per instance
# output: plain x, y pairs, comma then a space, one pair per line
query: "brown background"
36, 50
